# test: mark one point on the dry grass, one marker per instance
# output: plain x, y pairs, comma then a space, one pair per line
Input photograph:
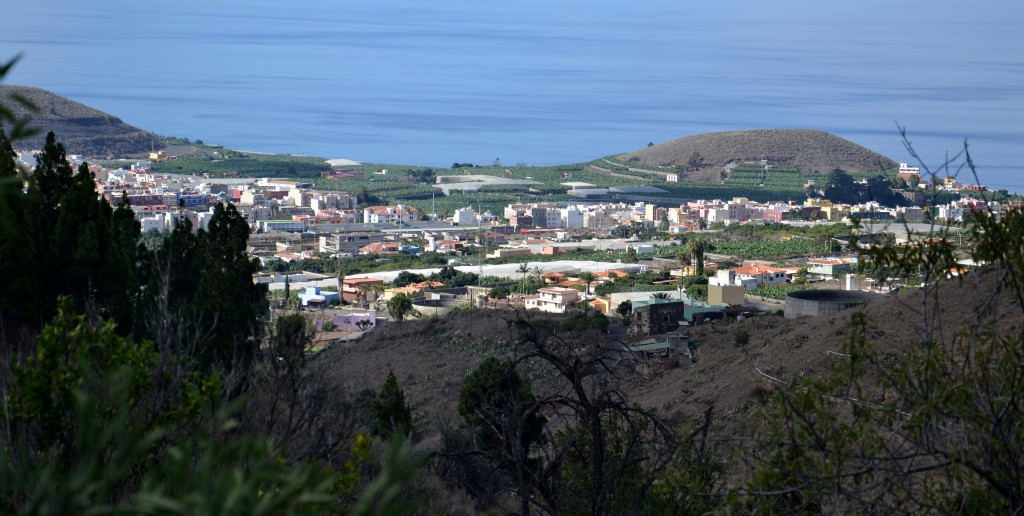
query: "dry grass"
80, 128
431, 357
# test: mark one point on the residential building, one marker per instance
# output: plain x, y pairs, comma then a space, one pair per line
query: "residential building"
290, 226
832, 267
380, 248
571, 218
313, 296
552, 299
349, 242
726, 294
392, 214
758, 274
355, 289
465, 217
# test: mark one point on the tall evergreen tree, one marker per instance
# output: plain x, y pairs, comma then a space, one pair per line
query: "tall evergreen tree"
200, 292
60, 238
390, 411
228, 300
17, 288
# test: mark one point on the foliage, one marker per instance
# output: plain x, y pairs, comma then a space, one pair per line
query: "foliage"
59, 239
92, 412
742, 338
930, 425
493, 395
178, 278
779, 291
625, 308
405, 277
841, 188
579, 322
389, 411
769, 249
361, 263
72, 242
18, 127
386, 494
398, 306
631, 256
43, 402
452, 277
244, 165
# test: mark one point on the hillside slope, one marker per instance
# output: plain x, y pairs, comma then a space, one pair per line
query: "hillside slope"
431, 356
790, 148
82, 129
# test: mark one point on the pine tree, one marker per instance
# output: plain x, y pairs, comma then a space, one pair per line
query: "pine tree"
17, 290
501, 404
389, 410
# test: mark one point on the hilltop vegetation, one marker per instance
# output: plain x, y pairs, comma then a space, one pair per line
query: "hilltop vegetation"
798, 149
82, 129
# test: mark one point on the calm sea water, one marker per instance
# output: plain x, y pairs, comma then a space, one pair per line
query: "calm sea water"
533, 82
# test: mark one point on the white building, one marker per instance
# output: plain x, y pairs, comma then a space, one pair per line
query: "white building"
552, 299
385, 214
465, 217
571, 218
157, 222
757, 274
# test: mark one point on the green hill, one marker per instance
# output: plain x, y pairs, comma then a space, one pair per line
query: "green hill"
82, 129
788, 148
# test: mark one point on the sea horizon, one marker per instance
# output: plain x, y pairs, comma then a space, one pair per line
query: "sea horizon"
432, 84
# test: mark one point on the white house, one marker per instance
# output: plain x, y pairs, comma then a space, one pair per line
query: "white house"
392, 214
758, 274
552, 299
465, 217
571, 218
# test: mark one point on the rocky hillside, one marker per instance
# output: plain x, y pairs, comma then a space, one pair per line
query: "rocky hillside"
431, 357
791, 148
82, 129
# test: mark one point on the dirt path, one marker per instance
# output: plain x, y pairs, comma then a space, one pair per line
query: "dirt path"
608, 172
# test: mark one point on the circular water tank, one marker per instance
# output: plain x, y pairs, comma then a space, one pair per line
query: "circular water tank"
825, 302
437, 307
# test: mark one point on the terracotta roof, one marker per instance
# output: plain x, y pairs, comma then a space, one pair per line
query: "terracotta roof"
380, 247
753, 270
357, 281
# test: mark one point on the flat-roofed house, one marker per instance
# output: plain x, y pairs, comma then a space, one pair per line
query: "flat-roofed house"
552, 299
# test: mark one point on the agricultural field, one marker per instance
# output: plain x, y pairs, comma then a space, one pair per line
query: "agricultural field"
778, 292
773, 249
245, 165
411, 185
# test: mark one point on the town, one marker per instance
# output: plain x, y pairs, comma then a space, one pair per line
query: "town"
555, 257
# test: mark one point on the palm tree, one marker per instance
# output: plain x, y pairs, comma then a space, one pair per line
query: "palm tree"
661, 295
524, 269
588, 278
697, 247
683, 257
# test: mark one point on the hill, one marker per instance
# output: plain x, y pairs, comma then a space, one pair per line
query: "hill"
82, 129
431, 356
790, 148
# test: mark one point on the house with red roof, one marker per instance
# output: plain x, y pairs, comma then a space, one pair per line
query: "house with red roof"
759, 274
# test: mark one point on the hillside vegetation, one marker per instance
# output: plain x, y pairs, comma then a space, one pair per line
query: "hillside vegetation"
790, 148
82, 129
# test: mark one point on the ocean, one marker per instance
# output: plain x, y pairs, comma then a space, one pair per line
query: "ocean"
537, 83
